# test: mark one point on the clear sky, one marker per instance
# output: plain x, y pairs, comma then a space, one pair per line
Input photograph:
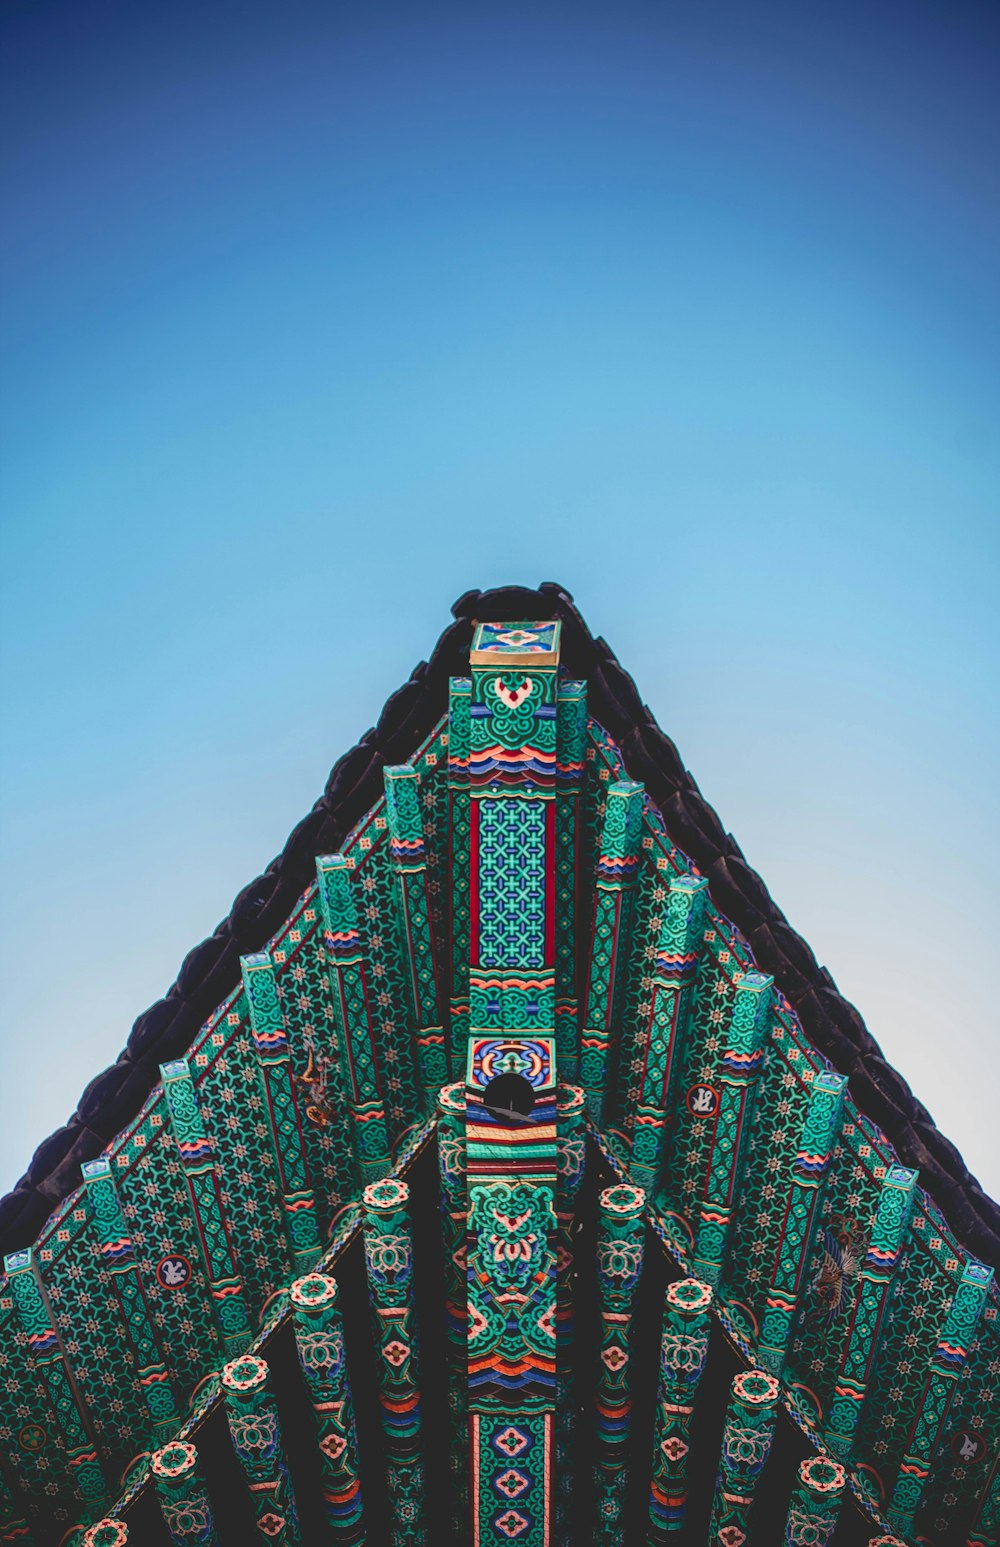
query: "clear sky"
316, 315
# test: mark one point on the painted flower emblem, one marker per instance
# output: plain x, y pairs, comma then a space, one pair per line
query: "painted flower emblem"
271, 1523
674, 1448
512, 1523
614, 1358
396, 1352
333, 1446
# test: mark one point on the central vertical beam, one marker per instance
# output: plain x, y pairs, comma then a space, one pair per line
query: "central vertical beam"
511, 1152
511, 1169
571, 747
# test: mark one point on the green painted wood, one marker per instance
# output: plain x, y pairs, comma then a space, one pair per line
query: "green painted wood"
255, 1431
454, 1226
683, 1351
571, 1150
621, 1234
738, 1075
806, 1181
350, 986
389, 1262
120, 1261
885, 1248
674, 972
194, 1149
281, 1107
746, 1444
949, 1359
76, 1444
617, 864
319, 1341
182, 1496
815, 1503
459, 751
409, 861
571, 746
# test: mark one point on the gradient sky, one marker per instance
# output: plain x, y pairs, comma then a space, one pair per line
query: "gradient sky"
314, 316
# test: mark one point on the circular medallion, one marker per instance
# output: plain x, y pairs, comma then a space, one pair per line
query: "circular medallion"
173, 1271
968, 1445
175, 1459
386, 1196
247, 1373
313, 1291
32, 1437
703, 1100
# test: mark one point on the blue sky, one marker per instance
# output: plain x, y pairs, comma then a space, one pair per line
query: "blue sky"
314, 316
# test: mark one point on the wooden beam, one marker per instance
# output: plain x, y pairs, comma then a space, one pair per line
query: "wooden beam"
885, 1249
350, 986
683, 1351
947, 1363
388, 1242
571, 746
319, 1341
459, 750
409, 862
255, 1432
196, 1154
74, 1440
281, 1108
571, 1147
749, 1029
118, 1255
511, 1170
611, 931
815, 1504
746, 1444
454, 1225
182, 1496
673, 975
809, 1170
620, 1241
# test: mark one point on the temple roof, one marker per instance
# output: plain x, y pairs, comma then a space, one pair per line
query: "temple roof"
211, 970
508, 1154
